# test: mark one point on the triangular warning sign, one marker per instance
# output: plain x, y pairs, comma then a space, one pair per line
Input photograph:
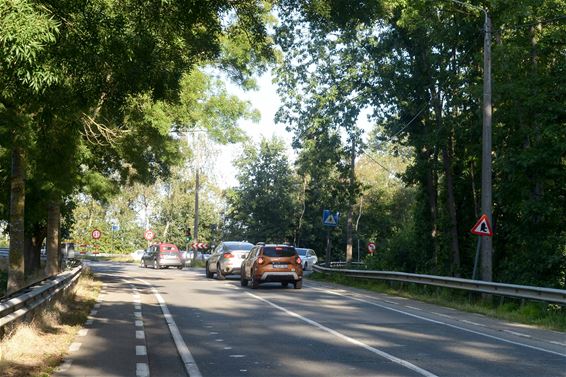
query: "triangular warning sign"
482, 227
330, 220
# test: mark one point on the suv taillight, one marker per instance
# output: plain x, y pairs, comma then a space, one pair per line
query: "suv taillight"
228, 255
298, 260
260, 260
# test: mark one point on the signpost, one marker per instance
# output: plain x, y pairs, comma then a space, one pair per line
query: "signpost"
148, 234
371, 247
329, 220
96, 234
482, 228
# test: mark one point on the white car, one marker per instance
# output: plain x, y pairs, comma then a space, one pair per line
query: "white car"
137, 255
308, 257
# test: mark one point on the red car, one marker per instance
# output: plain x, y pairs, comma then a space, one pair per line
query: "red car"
162, 255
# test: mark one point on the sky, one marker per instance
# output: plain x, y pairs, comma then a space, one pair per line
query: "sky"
266, 101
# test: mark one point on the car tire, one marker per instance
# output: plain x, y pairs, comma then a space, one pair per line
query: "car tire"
298, 284
180, 267
156, 265
219, 274
209, 274
243, 281
255, 282
284, 284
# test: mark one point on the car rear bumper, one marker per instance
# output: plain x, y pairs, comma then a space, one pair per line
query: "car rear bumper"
280, 276
230, 270
165, 262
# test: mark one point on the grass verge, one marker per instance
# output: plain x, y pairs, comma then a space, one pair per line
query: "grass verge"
548, 316
36, 348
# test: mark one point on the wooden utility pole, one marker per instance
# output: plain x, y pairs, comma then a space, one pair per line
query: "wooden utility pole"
197, 187
350, 220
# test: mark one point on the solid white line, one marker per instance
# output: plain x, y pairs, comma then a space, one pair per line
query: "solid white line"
389, 357
188, 360
445, 324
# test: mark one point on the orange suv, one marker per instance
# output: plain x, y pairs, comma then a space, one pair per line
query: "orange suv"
272, 263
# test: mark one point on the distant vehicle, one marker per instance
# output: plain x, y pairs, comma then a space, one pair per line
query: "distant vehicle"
226, 259
272, 263
162, 255
137, 255
308, 257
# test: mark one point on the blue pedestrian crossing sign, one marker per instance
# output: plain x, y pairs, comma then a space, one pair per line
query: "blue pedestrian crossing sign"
329, 218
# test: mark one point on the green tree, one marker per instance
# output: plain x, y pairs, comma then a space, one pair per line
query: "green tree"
263, 205
92, 86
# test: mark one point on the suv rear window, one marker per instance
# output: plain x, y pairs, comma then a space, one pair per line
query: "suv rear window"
278, 251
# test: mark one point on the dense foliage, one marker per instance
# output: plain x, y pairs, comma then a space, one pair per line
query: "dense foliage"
88, 98
418, 67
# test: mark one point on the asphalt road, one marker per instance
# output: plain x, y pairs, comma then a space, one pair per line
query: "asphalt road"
178, 323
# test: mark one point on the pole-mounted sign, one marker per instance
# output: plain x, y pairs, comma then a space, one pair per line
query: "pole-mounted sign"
329, 218
96, 234
482, 227
148, 235
371, 247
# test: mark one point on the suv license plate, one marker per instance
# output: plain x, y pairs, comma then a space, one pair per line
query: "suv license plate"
279, 265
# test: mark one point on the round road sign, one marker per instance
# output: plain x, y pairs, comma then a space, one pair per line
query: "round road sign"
148, 235
371, 247
96, 234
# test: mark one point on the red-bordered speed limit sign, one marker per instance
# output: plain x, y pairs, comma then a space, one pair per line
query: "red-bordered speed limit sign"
371, 247
96, 234
148, 234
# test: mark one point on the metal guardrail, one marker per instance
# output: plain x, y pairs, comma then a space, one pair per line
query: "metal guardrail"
555, 296
18, 307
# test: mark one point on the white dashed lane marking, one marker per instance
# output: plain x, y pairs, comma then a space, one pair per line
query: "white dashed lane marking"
517, 333
74, 347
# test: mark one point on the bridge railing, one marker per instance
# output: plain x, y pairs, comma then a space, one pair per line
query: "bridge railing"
550, 295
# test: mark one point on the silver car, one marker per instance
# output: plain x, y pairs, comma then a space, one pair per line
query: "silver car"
308, 257
227, 258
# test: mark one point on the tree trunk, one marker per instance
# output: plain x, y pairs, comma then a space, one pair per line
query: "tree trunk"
53, 241
32, 252
16, 277
451, 204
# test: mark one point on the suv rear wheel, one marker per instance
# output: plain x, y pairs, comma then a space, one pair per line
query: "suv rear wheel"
243, 280
155, 265
255, 282
298, 284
